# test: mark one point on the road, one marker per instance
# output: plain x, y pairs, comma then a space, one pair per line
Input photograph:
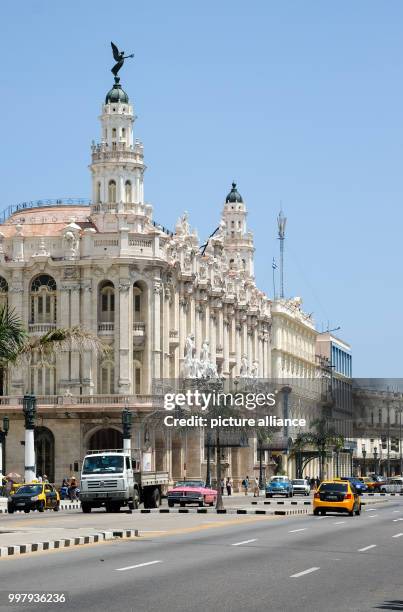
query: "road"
330, 563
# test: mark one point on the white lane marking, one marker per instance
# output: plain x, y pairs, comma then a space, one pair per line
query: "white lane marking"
396, 520
295, 530
153, 531
396, 510
129, 567
308, 571
370, 509
366, 548
244, 542
398, 535
372, 515
339, 523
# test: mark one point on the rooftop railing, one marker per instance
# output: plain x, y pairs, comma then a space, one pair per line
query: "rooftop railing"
13, 208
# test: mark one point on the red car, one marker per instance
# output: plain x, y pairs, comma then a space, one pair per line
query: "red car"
191, 492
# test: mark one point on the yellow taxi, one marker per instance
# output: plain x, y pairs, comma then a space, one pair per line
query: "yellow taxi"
336, 496
34, 496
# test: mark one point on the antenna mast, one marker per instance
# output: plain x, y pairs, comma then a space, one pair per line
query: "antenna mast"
281, 223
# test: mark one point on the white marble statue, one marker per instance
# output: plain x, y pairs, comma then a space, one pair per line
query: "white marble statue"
244, 372
254, 373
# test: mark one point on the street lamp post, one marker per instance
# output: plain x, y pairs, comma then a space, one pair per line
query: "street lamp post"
375, 459
3, 435
29, 410
364, 454
127, 429
260, 465
208, 466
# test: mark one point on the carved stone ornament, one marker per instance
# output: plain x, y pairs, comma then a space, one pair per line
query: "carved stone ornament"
124, 285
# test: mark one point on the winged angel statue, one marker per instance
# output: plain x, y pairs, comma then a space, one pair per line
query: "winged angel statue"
119, 57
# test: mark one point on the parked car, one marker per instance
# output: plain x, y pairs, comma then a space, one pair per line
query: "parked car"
370, 484
393, 485
37, 496
279, 485
300, 486
336, 496
191, 492
378, 482
360, 486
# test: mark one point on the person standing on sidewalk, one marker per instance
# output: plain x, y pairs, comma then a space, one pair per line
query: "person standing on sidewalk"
229, 486
256, 489
245, 484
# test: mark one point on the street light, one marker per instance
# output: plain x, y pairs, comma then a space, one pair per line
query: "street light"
127, 429
364, 454
3, 435
375, 458
29, 410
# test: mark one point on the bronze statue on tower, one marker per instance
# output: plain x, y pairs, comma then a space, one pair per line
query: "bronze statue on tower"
119, 57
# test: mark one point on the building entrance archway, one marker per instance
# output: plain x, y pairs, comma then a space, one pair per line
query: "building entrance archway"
106, 438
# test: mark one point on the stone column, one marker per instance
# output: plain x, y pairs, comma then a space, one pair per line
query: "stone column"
125, 336
165, 330
156, 331
182, 331
75, 321
225, 367
87, 381
64, 359
16, 303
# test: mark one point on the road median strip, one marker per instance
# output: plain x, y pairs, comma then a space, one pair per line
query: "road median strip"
287, 512
94, 538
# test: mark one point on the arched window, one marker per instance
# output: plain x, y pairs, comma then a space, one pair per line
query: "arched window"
43, 301
113, 132
3, 291
105, 438
137, 303
137, 376
45, 452
106, 380
128, 192
123, 133
112, 192
98, 193
42, 376
106, 310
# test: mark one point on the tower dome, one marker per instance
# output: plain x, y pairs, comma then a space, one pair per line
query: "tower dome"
234, 195
116, 94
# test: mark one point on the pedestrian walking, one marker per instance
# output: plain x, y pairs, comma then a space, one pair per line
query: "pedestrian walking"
256, 488
229, 486
245, 484
317, 482
222, 486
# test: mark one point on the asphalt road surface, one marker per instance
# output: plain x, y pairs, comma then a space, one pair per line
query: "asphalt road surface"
332, 563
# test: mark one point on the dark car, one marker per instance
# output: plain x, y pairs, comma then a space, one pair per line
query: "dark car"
35, 496
360, 486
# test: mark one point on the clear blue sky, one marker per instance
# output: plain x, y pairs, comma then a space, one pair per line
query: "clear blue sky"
300, 102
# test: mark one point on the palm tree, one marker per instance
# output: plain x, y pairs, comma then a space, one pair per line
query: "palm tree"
17, 347
322, 438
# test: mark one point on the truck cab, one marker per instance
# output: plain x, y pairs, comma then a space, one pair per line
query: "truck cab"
111, 479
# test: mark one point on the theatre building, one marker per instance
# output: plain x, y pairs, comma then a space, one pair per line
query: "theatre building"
108, 266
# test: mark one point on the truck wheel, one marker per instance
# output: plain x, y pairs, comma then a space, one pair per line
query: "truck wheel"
85, 507
155, 498
116, 507
170, 503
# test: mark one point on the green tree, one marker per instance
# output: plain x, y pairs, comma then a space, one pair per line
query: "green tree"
322, 437
18, 347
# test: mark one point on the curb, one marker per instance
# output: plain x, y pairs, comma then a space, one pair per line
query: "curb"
287, 512
102, 536
71, 506
281, 503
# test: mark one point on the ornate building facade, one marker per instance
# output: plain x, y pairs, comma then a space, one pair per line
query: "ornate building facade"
109, 267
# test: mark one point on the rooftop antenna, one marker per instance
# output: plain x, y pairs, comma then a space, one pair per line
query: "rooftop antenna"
281, 223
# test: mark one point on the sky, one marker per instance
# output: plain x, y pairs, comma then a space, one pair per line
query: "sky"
301, 103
